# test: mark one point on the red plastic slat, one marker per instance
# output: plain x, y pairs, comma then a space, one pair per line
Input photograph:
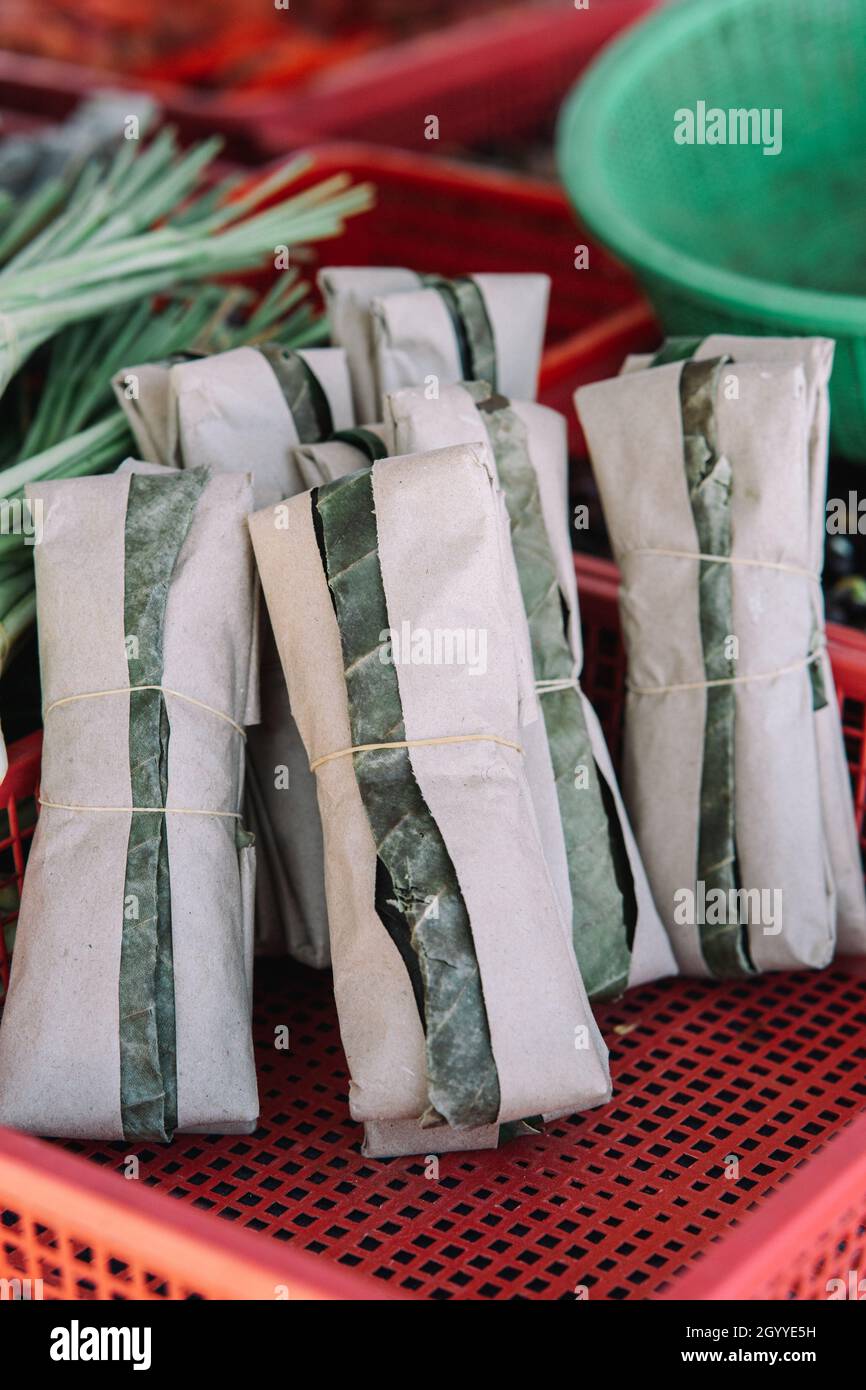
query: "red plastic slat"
624, 1201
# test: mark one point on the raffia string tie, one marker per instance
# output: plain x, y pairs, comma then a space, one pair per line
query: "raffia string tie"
779, 565
729, 680
128, 689
547, 687
412, 743
142, 810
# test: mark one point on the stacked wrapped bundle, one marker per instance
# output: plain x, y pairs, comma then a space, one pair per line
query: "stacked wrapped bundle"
400, 329
587, 839
461, 1005
712, 475
237, 411
128, 1012
618, 938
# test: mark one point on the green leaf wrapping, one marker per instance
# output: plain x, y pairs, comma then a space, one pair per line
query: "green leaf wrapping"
424, 912
302, 392
678, 350
365, 441
158, 516
724, 945
602, 887
465, 304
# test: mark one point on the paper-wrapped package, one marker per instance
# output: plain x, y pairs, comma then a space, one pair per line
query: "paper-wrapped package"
618, 937
271, 397
400, 328
247, 410
815, 356
129, 1006
345, 453
706, 475
398, 618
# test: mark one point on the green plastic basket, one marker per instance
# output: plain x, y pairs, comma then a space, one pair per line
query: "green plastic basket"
724, 237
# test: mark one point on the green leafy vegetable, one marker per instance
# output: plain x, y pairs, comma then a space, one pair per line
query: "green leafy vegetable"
101, 248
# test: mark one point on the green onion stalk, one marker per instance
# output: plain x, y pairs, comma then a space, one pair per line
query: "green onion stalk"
134, 247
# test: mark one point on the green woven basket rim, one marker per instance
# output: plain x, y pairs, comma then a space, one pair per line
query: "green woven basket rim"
592, 102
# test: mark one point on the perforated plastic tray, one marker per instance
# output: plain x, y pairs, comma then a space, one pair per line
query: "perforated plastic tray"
625, 1201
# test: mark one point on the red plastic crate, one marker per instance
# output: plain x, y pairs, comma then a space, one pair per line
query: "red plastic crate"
16, 793
624, 1201
488, 79
441, 215
451, 217
34, 90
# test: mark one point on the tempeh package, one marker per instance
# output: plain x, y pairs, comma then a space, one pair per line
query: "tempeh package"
129, 1007
815, 355
322, 463
399, 328
246, 410
618, 937
397, 615
712, 484
270, 398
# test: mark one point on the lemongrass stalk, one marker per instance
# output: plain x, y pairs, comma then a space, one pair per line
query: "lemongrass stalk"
262, 190
14, 587
313, 334
238, 247
106, 433
165, 258
98, 195
52, 235
15, 622
29, 214
161, 199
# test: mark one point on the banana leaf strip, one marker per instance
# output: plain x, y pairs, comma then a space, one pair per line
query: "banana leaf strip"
303, 393
424, 911
158, 516
709, 477
602, 887
465, 303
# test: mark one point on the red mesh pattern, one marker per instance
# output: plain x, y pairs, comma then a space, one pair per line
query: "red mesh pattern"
833, 1266
722, 1092
619, 1200
437, 215
17, 797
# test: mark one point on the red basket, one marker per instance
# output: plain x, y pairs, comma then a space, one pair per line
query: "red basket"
488, 79
625, 1201
34, 90
450, 217
441, 215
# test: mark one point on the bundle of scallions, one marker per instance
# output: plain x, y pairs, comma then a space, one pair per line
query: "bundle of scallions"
121, 271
